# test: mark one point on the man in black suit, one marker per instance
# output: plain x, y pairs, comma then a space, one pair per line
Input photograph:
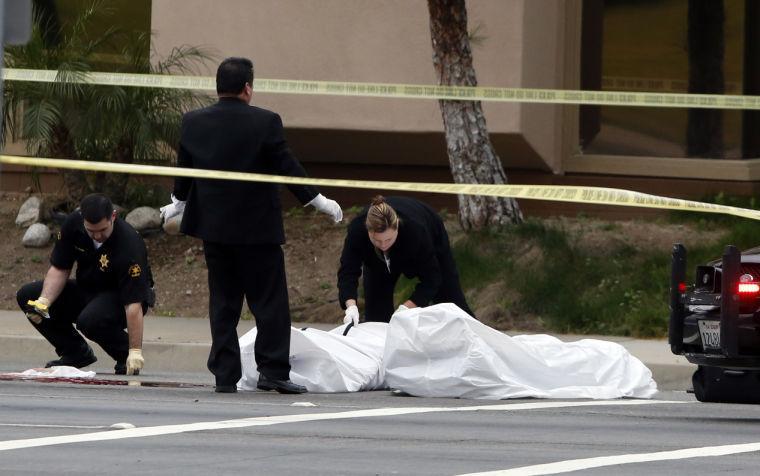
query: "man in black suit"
240, 224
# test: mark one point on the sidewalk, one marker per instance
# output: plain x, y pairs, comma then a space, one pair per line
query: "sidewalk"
179, 346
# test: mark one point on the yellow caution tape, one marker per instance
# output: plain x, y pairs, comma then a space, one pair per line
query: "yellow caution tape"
557, 193
411, 91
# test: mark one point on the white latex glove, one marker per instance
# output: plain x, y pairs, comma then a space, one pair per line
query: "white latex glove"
401, 307
352, 315
170, 211
135, 361
330, 207
38, 309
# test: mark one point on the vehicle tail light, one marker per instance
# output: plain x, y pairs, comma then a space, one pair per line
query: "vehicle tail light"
748, 285
749, 288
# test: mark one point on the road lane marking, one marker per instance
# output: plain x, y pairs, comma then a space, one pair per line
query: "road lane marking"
602, 461
298, 418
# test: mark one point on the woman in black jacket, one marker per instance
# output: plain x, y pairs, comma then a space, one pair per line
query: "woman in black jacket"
395, 236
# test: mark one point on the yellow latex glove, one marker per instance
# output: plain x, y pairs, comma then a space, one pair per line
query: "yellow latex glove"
135, 361
38, 309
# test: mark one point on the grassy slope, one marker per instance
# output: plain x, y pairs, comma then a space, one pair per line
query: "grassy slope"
618, 290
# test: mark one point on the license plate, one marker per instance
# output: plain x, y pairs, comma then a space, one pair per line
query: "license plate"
710, 332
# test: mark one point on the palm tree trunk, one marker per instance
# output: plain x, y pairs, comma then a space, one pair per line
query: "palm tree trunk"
472, 157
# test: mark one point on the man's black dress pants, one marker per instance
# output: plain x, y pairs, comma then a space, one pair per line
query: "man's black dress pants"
256, 272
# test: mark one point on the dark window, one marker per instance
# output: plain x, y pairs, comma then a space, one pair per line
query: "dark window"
131, 18
668, 46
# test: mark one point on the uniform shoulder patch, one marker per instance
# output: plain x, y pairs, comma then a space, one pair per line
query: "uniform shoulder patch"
135, 271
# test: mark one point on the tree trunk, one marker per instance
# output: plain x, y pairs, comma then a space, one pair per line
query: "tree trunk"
472, 158
704, 134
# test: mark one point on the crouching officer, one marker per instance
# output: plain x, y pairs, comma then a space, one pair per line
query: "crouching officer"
112, 291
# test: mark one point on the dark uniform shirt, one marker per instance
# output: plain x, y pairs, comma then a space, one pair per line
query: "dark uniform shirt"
120, 264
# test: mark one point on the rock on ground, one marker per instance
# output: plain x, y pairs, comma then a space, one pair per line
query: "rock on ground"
144, 218
37, 236
171, 226
29, 212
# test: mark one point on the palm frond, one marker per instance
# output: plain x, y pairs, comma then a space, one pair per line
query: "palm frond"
184, 59
105, 38
88, 15
97, 122
39, 121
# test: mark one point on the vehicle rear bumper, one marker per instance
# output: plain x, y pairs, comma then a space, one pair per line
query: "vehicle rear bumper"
748, 334
712, 360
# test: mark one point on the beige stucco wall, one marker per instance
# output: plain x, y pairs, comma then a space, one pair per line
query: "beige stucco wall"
541, 69
380, 41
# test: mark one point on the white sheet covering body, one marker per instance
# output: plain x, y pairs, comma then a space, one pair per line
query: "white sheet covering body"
440, 351
327, 362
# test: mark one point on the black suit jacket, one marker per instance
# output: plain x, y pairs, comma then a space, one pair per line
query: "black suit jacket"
421, 239
231, 135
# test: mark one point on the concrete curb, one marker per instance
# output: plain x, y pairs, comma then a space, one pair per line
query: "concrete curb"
31, 352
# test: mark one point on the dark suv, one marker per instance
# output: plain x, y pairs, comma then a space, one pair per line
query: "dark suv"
715, 323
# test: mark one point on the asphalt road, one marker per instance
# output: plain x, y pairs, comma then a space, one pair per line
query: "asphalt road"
64, 428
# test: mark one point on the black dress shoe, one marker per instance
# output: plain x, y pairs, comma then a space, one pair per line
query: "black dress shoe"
225, 389
282, 386
77, 361
121, 369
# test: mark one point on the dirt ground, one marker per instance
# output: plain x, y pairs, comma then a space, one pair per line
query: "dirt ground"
311, 254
